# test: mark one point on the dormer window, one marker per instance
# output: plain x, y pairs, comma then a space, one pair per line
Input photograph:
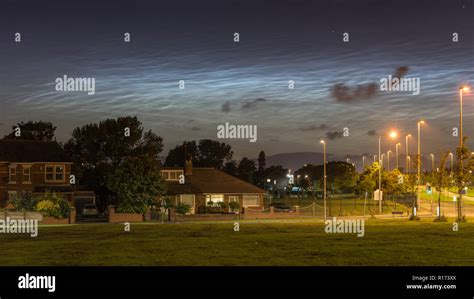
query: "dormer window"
171, 175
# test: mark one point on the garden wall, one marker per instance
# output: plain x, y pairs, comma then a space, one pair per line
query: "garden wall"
38, 216
123, 217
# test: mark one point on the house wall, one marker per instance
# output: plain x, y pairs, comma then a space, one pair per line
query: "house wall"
37, 172
200, 200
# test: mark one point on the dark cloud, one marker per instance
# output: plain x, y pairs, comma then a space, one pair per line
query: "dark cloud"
253, 103
400, 71
225, 107
371, 132
344, 93
313, 128
334, 135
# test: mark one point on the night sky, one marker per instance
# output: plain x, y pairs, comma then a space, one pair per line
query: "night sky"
245, 82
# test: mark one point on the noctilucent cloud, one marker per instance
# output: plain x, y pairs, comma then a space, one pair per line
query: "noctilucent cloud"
244, 82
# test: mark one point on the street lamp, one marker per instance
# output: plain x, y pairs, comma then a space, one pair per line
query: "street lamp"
388, 159
461, 90
396, 151
451, 156
406, 152
409, 162
375, 157
432, 163
363, 163
392, 134
324, 176
418, 178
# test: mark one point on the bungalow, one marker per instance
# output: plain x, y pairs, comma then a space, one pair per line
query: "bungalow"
35, 166
202, 184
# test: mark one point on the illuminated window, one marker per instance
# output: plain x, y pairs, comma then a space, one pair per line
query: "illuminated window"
215, 198
251, 201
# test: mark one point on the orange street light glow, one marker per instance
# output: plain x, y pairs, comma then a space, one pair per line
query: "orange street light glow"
465, 88
393, 134
322, 141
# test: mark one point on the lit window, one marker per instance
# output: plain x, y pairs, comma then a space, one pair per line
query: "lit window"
215, 198
251, 201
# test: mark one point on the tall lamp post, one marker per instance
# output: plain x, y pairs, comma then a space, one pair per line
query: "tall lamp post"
432, 163
418, 162
324, 177
451, 156
409, 162
396, 152
393, 135
461, 90
363, 163
407, 165
388, 159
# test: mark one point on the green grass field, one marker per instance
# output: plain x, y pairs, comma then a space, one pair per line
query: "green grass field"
258, 243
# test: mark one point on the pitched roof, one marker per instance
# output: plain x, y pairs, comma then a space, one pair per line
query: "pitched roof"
31, 151
210, 180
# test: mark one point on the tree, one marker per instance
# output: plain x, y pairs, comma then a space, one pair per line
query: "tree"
213, 154
441, 180
261, 162
230, 167
39, 131
98, 149
246, 169
208, 153
137, 182
177, 156
260, 174
465, 163
368, 179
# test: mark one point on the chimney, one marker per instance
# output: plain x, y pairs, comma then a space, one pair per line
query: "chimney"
188, 167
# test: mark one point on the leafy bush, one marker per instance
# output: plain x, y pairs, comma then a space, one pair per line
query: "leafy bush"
128, 207
183, 208
202, 209
234, 206
25, 202
52, 205
441, 219
222, 205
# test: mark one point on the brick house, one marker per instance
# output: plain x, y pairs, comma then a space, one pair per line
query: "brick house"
35, 166
202, 184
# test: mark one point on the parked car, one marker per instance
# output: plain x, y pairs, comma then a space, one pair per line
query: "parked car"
90, 210
280, 207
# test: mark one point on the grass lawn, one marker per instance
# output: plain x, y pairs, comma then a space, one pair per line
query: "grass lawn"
444, 198
342, 205
259, 243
